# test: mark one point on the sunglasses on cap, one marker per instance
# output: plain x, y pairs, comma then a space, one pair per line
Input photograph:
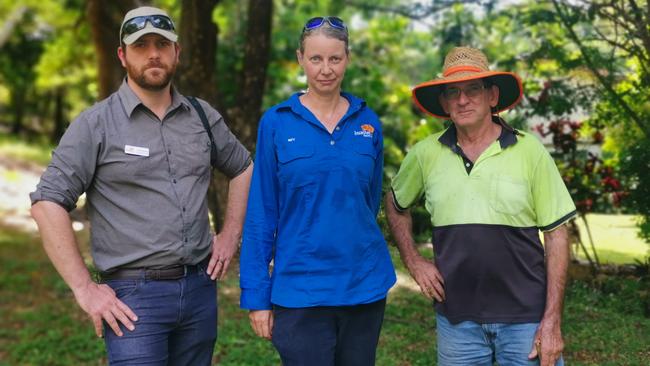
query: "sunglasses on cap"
157, 21
318, 22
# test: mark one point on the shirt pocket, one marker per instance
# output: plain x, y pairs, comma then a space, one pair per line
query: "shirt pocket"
142, 166
508, 195
295, 164
146, 165
195, 155
364, 155
290, 152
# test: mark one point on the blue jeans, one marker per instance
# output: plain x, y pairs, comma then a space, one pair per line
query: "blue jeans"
328, 335
177, 321
470, 343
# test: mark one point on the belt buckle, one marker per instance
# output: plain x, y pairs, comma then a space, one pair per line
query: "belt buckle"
152, 274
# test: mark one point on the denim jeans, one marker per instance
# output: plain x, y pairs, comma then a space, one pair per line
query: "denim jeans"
177, 321
470, 343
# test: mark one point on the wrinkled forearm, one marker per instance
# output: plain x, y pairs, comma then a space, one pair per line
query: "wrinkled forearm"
400, 224
556, 244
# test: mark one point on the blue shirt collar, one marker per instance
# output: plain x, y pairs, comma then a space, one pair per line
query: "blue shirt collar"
293, 104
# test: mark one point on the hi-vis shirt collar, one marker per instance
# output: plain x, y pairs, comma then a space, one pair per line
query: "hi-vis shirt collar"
507, 138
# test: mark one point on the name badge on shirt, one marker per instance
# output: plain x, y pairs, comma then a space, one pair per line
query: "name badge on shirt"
136, 150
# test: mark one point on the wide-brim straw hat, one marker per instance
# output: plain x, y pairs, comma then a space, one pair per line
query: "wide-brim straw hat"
463, 64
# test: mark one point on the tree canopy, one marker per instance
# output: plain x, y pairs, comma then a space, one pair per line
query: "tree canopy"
585, 66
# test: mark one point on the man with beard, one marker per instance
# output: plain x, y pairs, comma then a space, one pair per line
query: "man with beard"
143, 157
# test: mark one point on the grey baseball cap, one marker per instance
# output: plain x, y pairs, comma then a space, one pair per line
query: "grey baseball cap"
145, 20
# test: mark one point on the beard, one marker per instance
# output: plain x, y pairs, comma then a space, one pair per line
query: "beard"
153, 80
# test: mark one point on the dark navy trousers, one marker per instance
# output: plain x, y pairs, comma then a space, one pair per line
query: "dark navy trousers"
328, 335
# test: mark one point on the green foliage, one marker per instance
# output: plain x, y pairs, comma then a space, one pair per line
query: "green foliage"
635, 167
15, 148
48, 51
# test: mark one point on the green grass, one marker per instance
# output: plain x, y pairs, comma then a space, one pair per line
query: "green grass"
15, 148
40, 324
615, 238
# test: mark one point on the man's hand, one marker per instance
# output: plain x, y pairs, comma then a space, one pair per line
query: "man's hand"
548, 343
100, 302
262, 322
424, 272
428, 277
225, 244
224, 248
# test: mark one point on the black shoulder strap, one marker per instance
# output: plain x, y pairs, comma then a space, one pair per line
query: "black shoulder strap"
206, 125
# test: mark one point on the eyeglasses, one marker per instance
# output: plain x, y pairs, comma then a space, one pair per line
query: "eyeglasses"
317, 22
135, 24
471, 91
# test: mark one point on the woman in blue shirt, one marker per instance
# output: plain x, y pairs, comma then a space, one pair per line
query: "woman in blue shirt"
312, 210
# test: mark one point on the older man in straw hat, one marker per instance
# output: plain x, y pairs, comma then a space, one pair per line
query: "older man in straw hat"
490, 189
143, 158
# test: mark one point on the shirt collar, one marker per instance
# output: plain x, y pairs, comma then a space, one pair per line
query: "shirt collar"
130, 100
507, 137
293, 104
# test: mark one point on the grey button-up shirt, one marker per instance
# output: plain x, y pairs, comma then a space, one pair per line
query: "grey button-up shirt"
145, 179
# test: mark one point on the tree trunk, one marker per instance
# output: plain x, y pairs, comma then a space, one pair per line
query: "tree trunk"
18, 97
245, 115
198, 40
105, 18
59, 118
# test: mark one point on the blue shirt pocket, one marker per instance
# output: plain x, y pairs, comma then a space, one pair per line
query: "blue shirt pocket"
295, 164
364, 160
292, 151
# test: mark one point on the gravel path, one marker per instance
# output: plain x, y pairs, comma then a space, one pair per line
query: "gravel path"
17, 180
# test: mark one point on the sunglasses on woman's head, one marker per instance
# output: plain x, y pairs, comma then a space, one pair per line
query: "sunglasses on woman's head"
157, 21
318, 22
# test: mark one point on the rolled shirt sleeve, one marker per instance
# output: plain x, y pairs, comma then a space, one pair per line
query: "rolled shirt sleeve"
72, 167
408, 183
232, 157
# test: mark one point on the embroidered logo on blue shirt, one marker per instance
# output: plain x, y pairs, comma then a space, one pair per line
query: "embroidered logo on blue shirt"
291, 139
366, 131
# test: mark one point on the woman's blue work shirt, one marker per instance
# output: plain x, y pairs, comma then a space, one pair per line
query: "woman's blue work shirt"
312, 208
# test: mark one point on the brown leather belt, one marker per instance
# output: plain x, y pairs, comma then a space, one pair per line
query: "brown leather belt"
171, 273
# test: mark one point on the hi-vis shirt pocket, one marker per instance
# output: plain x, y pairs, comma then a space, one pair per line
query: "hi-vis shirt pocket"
509, 195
